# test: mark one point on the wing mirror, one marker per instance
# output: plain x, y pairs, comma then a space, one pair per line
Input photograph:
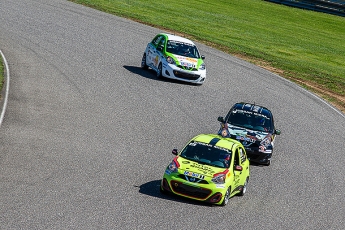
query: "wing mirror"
202, 57
174, 151
238, 168
221, 119
160, 48
277, 131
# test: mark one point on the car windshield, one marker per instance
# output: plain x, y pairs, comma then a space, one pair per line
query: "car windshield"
182, 49
250, 120
207, 154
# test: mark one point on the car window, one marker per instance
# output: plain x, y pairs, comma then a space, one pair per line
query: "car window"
157, 39
243, 156
207, 154
250, 120
182, 49
236, 157
162, 42
172, 47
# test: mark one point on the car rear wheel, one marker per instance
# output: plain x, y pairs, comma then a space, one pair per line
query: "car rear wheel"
159, 70
226, 197
143, 62
244, 189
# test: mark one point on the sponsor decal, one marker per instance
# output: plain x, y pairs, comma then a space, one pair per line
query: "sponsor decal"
221, 148
220, 186
156, 60
192, 60
192, 174
246, 139
199, 143
187, 64
251, 113
225, 133
205, 169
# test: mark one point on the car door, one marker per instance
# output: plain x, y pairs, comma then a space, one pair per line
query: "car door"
152, 55
241, 167
160, 50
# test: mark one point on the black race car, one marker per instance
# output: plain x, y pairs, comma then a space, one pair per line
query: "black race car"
253, 126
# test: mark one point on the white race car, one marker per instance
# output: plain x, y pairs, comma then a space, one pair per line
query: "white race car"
175, 57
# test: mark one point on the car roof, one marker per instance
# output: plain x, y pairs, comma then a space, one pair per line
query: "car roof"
216, 140
252, 108
178, 38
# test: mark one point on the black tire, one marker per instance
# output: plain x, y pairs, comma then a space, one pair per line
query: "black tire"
159, 70
143, 62
268, 163
244, 189
161, 189
226, 197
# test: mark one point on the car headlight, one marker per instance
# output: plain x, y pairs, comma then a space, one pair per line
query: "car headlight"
202, 66
219, 178
172, 167
171, 61
266, 141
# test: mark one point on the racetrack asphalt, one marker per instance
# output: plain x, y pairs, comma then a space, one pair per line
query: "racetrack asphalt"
87, 134
5, 89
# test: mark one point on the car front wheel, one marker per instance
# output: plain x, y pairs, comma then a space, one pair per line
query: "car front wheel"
143, 62
268, 163
226, 197
159, 70
162, 190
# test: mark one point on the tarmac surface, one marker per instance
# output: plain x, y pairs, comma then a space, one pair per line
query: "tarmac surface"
87, 134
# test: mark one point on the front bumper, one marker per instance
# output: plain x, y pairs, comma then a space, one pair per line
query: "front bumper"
210, 193
255, 156
174, 72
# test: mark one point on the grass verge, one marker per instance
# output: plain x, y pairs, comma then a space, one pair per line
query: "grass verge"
304, 46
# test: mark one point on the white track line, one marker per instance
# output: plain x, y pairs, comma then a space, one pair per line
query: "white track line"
7, 80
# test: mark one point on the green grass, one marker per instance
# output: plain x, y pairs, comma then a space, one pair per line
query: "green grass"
306, 46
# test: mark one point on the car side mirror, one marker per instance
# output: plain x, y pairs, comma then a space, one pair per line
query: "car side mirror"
238, 168
159, 48
174, 151
202, 57
221, 119
277, 131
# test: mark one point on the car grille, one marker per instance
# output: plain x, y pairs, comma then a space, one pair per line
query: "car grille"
187, 76
192, 179
186, 68
183, 189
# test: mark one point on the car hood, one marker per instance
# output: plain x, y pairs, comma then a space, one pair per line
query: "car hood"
187, 61
250, 139
195, 169
247, 133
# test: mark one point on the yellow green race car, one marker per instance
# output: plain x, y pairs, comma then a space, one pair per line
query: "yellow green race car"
209, 168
